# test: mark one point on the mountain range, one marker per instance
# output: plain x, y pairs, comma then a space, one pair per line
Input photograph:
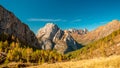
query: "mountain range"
51, 37
98, 33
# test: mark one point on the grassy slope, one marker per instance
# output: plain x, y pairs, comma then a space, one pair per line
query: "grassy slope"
107, 46
110, 62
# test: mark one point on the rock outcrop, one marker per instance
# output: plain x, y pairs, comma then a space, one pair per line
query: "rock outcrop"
52, 37
80, 31
11, 25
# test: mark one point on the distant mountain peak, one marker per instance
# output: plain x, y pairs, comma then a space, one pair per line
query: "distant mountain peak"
52, 37
78, 31
49, 30
51, 24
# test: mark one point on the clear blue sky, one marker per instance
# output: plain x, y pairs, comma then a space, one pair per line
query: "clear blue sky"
65, 13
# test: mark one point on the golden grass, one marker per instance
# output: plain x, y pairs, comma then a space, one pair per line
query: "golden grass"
109, 62
17, 65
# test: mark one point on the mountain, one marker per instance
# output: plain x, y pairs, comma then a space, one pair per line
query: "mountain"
76, 31
11, 26
107, 46
98, 33
52, 37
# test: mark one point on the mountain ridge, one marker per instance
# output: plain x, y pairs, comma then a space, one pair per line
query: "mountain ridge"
98, 33
52, 37
11, 25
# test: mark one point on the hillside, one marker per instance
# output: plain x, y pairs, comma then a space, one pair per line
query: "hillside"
107, 46
98, 33
10, 26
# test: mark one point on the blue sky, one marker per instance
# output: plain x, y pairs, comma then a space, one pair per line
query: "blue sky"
65, 13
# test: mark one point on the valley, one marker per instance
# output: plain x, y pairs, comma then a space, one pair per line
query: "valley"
54, 47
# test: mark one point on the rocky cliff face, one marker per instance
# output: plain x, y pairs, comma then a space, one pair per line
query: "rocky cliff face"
76, 31
11, 25
98, 33
52, 37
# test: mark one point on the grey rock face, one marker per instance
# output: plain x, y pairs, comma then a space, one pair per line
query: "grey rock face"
47, 44
66, 43
81, 31
61, 47
11, 25
58, 35
46, 35
57, 39
48, 32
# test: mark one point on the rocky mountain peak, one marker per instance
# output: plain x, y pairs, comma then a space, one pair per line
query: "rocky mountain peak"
52, 37
78, 31
48, 31
51, 25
